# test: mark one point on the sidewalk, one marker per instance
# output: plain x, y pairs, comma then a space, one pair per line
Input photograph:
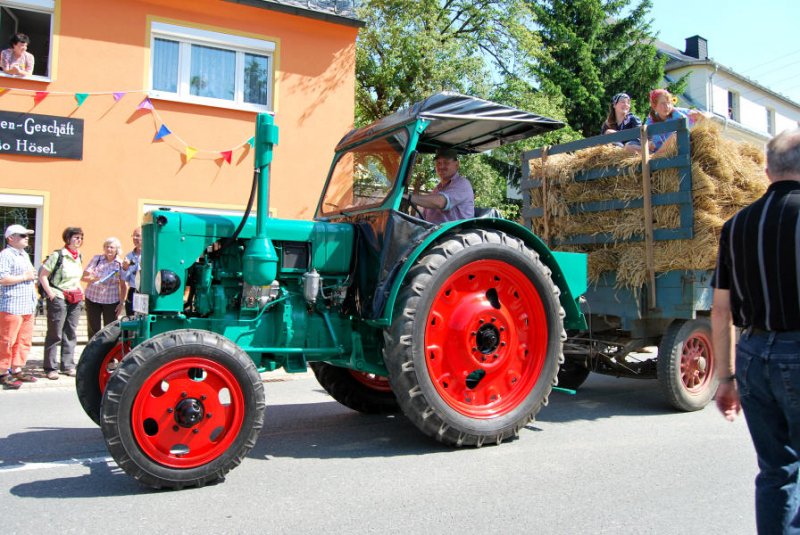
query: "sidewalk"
36, 361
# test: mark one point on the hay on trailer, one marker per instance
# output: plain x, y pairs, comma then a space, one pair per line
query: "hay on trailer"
726, 176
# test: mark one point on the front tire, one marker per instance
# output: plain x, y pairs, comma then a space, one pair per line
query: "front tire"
362, 392
476, 339
685, 364
100, 358
183, 409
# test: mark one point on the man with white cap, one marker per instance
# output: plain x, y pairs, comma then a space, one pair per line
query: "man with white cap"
17, 307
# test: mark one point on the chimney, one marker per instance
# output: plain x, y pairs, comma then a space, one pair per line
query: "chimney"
697, 47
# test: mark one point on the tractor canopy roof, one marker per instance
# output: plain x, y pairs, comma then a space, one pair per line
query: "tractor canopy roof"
467, 124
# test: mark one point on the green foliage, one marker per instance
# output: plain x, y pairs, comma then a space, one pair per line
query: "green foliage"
593, 49
409, 50
582, 52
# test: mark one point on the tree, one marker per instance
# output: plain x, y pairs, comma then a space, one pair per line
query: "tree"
593, 49
409, 50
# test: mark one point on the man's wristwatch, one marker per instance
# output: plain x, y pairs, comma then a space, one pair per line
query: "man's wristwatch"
729, 379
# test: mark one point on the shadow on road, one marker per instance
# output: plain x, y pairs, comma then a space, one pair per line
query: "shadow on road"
605, 397
318, 430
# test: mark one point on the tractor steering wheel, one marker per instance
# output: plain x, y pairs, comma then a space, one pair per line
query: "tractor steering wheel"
407, 203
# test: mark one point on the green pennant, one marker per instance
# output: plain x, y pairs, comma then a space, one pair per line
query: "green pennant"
252, 141
81, 98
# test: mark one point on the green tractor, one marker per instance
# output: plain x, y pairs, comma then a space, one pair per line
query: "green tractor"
458, 325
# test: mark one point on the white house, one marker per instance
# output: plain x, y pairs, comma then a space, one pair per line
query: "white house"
747, 110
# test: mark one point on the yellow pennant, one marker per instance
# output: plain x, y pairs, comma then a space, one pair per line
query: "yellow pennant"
190, 152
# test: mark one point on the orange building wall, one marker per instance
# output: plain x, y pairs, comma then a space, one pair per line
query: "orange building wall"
122, 168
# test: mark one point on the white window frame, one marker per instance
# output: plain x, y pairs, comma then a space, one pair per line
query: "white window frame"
29, 201
771, 121
186, 37
46, 7
734, 106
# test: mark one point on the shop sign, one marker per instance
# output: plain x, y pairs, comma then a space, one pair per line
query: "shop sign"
41, 135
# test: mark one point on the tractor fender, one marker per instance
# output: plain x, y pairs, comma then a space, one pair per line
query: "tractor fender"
568, 270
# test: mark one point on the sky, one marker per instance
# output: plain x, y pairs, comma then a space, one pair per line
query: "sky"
759, 39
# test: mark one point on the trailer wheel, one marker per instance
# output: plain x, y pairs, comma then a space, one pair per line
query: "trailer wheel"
183, 409
572, 374
686, 364
476, 339
362, 392
100, 358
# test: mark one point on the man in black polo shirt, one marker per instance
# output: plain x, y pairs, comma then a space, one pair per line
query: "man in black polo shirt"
757, 288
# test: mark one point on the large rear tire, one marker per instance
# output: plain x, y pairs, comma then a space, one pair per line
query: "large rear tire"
100, 358
476, 339
686, 364
183, 409
362, 392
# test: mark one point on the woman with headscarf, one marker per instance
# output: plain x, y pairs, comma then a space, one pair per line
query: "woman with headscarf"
620, 118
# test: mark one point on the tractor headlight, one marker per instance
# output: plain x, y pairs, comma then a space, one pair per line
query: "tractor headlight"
167, 282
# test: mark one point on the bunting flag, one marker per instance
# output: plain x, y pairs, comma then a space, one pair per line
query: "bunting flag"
145, 104
162, 132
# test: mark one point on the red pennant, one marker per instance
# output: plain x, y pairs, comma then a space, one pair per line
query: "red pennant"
226, 155
40, 96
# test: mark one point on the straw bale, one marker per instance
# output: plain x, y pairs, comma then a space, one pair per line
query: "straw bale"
726, 176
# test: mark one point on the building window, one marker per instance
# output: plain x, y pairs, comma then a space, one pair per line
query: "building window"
211, 68
34, 18
25, 210
771, 121
733, 105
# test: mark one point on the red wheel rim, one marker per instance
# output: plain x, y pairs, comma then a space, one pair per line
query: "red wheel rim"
486, 339
370, 380
188, 412
696, 362
111, 363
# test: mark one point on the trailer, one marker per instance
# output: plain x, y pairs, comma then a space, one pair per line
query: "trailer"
670, 310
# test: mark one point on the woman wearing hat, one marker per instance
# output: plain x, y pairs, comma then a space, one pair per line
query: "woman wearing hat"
662, 109
620, 118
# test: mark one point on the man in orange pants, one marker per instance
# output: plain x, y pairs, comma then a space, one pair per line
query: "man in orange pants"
17, 308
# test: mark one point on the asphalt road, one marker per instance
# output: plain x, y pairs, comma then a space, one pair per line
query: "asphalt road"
612, 459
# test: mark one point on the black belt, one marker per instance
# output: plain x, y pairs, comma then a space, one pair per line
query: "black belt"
758, 330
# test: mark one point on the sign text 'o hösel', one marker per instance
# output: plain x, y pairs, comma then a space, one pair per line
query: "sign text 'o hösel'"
41, 135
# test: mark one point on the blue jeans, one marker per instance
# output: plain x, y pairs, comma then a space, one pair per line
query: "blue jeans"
768, 376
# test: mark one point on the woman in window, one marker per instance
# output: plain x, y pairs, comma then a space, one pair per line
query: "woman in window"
17, 61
